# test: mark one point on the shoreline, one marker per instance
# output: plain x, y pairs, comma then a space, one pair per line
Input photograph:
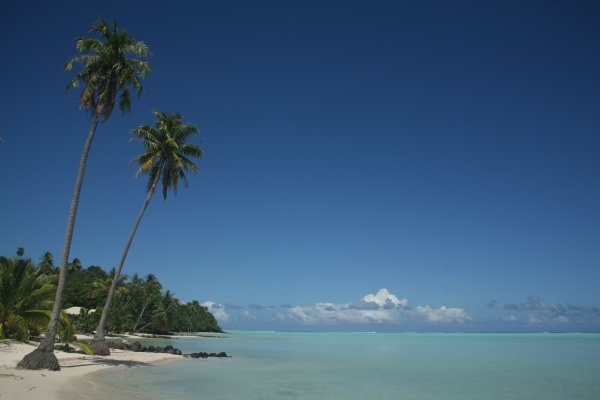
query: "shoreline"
78, 377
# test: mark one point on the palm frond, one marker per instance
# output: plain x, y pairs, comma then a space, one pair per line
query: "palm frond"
85, 44
86, 348
167, 152
19, 327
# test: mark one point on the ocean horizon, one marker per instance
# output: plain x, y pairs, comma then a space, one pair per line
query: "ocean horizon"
368, 365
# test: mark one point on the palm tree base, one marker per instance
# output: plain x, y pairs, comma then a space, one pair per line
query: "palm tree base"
39, 359
100, 347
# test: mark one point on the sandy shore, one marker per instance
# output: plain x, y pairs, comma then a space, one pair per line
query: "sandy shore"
72, 381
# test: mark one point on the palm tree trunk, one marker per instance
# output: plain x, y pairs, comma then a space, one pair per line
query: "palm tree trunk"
43, 357
129, 298
143, 327
146, 303
99, 340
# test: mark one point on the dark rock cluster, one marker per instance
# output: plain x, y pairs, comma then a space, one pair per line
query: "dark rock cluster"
137, 346
153, 336
206, 355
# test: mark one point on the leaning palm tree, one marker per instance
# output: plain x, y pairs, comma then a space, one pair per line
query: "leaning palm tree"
166, 160
109, 71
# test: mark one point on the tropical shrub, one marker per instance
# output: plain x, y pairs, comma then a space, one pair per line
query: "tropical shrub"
26, 295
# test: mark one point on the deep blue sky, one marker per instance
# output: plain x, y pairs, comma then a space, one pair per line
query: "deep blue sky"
445, 151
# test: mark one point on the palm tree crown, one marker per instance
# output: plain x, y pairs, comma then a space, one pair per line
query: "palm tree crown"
108, 71
167, 152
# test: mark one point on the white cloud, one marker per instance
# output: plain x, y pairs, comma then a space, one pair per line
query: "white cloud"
545, 315
443, 314
383, 298
248, 314
299, 314
349, 313
218, 310
533, 320
380, 308
385, 311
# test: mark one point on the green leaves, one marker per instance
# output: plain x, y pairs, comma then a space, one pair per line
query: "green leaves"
167, 154
108, 73
19, 328
26, 294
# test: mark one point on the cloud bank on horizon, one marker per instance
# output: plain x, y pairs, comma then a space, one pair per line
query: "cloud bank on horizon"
384, 311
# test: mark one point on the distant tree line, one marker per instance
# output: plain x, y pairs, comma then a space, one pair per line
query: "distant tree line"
140, 303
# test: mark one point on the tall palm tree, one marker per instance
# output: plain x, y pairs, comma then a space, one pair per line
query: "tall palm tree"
109, 70
165, 159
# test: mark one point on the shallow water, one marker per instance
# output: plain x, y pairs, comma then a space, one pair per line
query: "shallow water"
287, 365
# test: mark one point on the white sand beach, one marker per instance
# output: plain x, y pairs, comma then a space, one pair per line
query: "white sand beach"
72, 381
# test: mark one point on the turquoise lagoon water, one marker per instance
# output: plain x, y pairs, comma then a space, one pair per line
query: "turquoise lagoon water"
402, 366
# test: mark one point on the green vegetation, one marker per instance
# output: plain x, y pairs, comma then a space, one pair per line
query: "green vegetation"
25, 297
140, 304
165, 159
